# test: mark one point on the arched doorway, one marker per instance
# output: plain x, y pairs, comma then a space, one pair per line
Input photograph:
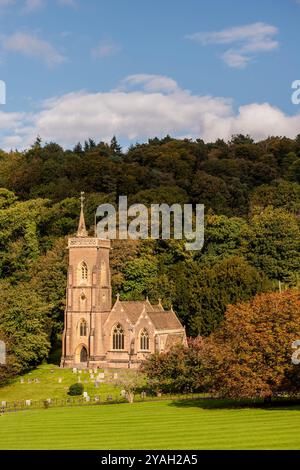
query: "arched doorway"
83, 354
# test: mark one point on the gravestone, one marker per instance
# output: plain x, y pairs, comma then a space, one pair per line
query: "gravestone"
92, 376
87, 398
85, 394
21, 381
60, 380
29, 381
101, 375
3, 403
48, 400
95, 370
97, 398
37, 381
80, 372
79, 380
123, 393
115, 375
28, 402
74, 370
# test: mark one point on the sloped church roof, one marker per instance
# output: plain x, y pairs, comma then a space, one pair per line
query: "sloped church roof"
160, 318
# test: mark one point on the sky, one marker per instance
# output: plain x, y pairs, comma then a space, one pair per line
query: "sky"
79, 69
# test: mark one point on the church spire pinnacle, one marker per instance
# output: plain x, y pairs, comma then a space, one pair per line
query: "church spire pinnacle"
82, 231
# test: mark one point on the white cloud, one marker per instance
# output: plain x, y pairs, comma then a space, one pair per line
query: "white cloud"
235, 59
32, 46
136, 115
249, 40
10, 120
150, 82
105, 48
31, 5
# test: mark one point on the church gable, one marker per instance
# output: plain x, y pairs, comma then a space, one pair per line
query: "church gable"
144, 323
117, 314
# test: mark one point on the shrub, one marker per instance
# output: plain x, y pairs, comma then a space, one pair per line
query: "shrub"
75, 390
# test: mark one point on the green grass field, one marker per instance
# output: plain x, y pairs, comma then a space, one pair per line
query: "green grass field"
49, 386
204, 424
152, 425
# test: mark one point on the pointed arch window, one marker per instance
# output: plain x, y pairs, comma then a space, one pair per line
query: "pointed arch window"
144, 340
118, 337
84, 271
83, 328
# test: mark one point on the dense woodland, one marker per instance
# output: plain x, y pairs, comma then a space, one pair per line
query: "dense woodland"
251, 192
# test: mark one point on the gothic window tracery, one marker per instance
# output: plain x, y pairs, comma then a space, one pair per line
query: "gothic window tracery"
118, 337
144, 340
84, 271
83, 328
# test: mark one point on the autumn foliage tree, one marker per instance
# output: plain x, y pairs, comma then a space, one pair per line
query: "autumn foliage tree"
254, 346
249, 356
182, 369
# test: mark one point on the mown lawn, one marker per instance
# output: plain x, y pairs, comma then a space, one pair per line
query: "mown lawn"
152, 425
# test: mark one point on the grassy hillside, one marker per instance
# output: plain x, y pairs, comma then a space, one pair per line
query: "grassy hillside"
152, 425
48, 385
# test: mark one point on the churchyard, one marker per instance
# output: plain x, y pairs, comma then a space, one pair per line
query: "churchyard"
51, 382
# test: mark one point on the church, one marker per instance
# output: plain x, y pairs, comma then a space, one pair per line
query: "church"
99, 334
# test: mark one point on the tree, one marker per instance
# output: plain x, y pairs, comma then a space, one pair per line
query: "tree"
203, 294
115, 147
253, 347
281, 194
224, 237
273, 244
137, 277
179, 370
47, 277
248, 356
210, 191
131, 381
24, 322
19, 234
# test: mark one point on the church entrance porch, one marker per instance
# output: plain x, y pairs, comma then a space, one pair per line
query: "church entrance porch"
81, 355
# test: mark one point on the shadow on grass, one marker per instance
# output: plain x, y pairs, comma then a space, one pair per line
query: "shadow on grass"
227, 404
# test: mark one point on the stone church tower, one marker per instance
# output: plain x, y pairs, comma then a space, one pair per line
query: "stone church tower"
97, 335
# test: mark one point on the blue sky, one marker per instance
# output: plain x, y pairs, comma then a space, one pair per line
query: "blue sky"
93, 68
